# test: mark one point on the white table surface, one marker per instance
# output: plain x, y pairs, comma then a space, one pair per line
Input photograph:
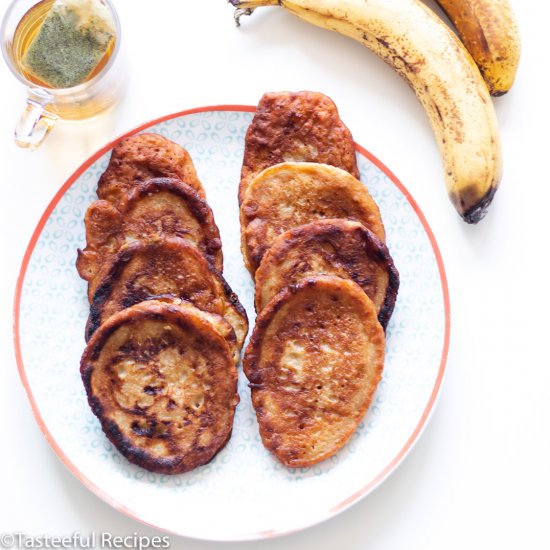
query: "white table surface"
479, 477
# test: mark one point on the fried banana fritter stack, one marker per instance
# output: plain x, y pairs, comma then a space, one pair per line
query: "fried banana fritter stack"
326, 285
165, 329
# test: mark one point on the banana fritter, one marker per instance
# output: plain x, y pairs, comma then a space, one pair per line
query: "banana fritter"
141, 157
167, 267
159, 206
296, 127
162, 382
330, 247
295, 193
314, 361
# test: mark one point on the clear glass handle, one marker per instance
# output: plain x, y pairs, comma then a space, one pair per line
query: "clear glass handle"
35, 122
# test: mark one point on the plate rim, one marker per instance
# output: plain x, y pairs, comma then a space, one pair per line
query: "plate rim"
265, 534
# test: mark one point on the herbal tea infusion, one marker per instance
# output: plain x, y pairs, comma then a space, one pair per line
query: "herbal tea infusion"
63, 43
67, 54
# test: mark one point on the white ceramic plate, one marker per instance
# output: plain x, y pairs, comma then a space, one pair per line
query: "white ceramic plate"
244, 493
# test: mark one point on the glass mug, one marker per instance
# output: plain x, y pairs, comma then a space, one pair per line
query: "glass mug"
45, 104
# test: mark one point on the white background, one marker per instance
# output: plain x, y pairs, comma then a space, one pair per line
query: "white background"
479, 477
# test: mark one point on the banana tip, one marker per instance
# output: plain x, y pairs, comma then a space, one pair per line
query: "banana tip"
477, 212
498, 92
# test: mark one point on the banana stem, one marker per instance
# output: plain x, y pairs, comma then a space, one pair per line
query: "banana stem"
253, 4
239, 12
246, 7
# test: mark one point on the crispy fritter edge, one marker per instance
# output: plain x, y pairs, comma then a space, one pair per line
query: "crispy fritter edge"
283, 242
117, 264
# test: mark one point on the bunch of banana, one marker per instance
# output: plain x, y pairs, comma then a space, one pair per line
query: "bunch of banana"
428, 55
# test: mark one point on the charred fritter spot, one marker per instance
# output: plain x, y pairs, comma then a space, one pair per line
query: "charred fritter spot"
162, 381
167, 267
296, 127
138, 158
292, 194
312, 385
156, 207
336, 247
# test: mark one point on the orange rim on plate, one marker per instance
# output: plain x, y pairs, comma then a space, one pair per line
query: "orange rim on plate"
334, 510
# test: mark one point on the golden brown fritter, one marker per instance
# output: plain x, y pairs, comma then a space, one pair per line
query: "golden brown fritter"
295, 193
314, 361
296, 127
165, 267
156, 207
336, 247
161, 380
141, 157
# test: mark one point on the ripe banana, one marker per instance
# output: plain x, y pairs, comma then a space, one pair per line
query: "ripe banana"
490, 33
427, 54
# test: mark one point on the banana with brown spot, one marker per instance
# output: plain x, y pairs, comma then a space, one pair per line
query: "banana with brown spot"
489, 30
427, 54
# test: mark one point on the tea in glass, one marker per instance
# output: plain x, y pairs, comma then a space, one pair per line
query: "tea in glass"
63, 50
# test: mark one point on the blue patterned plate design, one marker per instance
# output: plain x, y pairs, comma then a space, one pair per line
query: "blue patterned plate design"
244, 493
